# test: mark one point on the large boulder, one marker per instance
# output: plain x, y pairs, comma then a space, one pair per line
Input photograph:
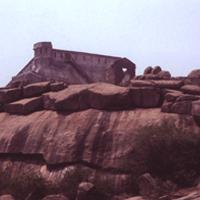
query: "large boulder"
98, 96
169, 84
181, 107
172, 95
164, 75
36, 89
155, 73
177, 102
24, 106
148, 70
10, 95
193, 77
191, 89
73, 98
156, 70
194, 74
145, 97
141, 83
109, 97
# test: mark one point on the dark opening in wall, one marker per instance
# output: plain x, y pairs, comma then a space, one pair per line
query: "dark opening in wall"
123, 67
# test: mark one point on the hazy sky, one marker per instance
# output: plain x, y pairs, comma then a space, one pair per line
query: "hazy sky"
149, 32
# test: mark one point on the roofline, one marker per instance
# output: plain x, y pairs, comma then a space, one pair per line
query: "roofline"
86, 53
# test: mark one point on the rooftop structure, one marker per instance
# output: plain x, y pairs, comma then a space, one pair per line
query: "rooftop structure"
73, 67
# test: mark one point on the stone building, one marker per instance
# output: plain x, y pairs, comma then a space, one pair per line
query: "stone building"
49, 64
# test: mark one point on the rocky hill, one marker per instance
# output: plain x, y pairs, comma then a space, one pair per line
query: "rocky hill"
101, 141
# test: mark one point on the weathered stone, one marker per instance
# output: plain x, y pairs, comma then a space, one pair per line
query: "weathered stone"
192, 81
109, 97
98, 96
166, 107
191, 89
181, 107
141, 83
102, 141
150, 77
73, 98
194, 74
6, 197
10, 95
169, 84
172, 96
145, 97
156, 70
24, 106
55, 197
187, 97
196, 108
165, 75
87, 191
57, 86
148, 186
148, 70
36, 89
193, 77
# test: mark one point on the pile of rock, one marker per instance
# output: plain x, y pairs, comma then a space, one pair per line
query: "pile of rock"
26, 99
101, 96
154, 73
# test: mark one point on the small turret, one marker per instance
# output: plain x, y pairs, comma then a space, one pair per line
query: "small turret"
42, 53
42, 49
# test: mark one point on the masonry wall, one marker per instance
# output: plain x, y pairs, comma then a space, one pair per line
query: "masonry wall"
83, 58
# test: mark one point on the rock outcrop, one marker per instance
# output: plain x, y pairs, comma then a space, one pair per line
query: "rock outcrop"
99, 133
101, 141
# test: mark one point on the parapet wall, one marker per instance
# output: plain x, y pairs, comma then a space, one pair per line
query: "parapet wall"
45, 50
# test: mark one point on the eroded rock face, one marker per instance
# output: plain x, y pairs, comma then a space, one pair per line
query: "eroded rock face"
102, 133
97, 139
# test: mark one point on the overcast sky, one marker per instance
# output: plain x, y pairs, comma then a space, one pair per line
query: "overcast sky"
149, 32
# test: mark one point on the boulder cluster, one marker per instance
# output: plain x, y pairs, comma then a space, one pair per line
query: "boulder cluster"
154, 73
172, 96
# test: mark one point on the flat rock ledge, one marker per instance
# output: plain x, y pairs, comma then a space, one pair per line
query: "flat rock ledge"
171, 96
